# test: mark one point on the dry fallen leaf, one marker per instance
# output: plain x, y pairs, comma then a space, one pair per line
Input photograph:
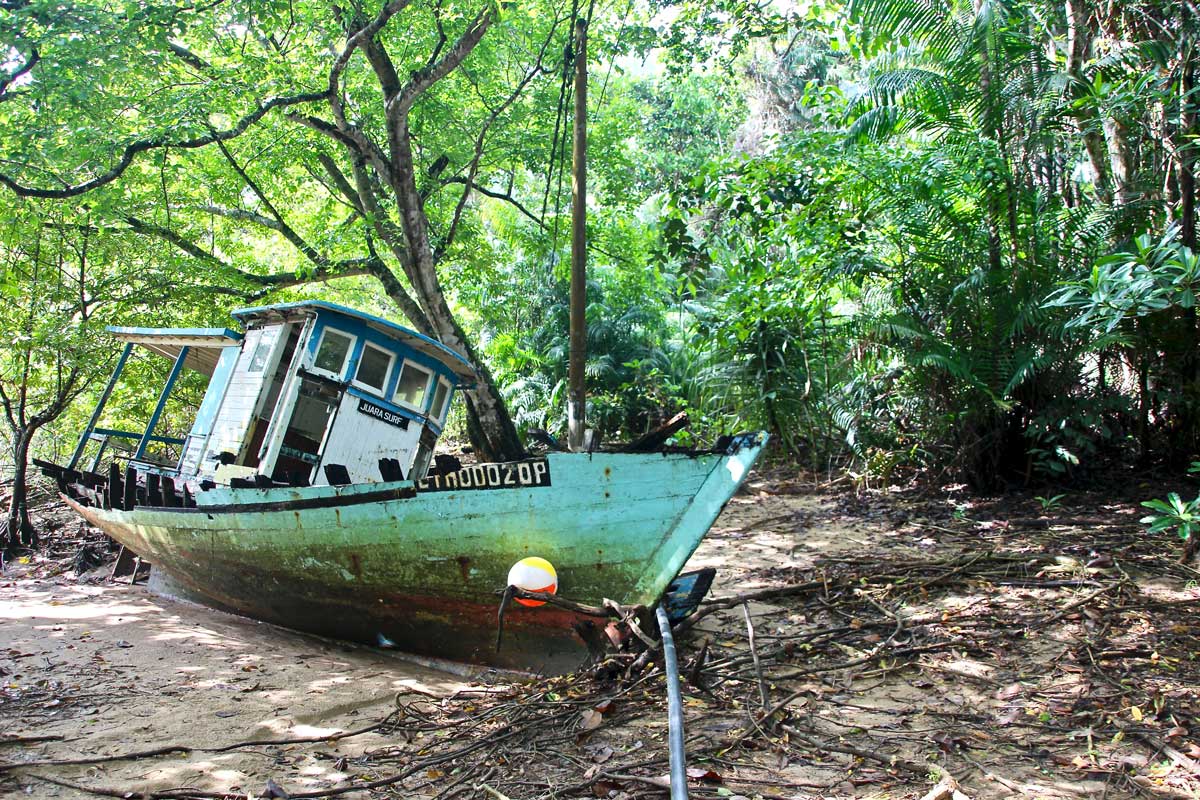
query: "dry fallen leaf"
603, 788
274, 790
591, 719
703, 774
1009, 692
602, 754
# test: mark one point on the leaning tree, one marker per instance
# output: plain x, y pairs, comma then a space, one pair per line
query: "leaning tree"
286, 143
48, 358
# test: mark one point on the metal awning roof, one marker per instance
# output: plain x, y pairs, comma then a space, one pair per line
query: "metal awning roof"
204, 344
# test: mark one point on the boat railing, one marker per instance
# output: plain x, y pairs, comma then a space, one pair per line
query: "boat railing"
102, 436
150, 467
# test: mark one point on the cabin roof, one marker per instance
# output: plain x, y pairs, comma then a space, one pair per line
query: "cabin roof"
204, 344
417, 341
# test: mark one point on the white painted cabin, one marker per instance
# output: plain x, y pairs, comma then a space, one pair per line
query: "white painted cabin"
309, 389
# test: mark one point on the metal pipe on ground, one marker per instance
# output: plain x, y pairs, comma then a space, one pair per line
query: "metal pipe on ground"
674, 709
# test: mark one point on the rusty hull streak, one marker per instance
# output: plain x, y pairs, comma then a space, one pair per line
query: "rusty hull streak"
535, 639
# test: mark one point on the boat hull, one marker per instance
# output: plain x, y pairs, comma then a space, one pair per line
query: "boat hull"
424, 568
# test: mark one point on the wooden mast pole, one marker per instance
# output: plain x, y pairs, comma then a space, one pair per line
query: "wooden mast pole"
577, 390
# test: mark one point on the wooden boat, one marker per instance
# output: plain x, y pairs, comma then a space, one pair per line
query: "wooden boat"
303, 494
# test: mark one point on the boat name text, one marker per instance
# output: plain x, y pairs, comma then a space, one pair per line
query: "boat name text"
382, 414
489, 476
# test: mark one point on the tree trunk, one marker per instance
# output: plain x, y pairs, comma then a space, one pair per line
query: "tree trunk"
492, 430
1120, 160
20, 531
1143, 427
1185, 147
394, 166
489, 424
1079, 45
1186, 214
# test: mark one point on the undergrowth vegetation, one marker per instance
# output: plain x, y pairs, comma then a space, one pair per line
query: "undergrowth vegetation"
949, 239
958, 238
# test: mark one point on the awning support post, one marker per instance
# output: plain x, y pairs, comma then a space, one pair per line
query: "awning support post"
162, 402
91, 426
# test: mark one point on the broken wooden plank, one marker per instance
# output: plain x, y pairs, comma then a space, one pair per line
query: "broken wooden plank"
658, 437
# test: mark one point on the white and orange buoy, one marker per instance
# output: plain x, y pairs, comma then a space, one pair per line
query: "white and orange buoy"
533, 574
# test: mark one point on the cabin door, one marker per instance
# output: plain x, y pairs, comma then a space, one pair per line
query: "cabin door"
272, 356
197, 439
300, 453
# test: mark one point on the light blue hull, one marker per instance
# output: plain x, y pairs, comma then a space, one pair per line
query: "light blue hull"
423, 565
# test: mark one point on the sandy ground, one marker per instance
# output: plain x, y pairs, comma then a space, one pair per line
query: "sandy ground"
113, 668
1043, 679
116, 668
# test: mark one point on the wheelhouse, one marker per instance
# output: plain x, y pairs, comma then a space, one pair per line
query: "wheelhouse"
311, 393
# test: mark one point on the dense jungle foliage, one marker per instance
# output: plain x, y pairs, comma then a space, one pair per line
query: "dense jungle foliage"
952, 236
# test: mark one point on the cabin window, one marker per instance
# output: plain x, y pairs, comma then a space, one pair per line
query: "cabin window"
374, 367
262, 352
441, 400
412, 386
333, 352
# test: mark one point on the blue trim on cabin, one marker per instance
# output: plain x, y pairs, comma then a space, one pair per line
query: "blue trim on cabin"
363, 333
241, 313
166, 332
